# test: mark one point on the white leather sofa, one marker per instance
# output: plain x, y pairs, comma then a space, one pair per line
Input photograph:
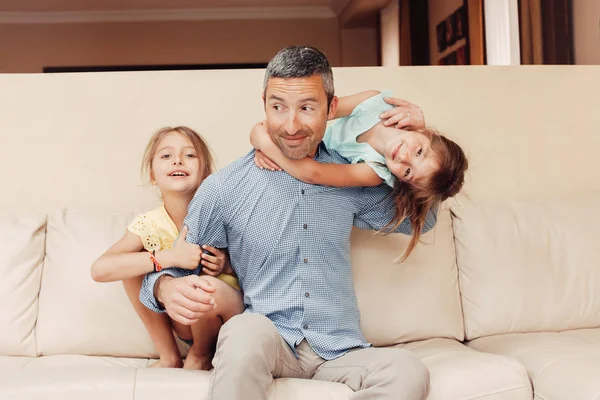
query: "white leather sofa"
501, 301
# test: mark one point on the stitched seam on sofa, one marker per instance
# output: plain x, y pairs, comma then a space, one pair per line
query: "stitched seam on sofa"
539, 396
512, 389
458, 281
561, 359
37, 311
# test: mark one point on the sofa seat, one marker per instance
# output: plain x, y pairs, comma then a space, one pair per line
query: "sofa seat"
76, 377
562, 365
457, 372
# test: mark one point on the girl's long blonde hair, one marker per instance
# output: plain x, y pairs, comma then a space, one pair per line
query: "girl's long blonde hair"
203, 153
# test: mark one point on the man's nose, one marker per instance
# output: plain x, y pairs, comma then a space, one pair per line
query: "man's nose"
292, 126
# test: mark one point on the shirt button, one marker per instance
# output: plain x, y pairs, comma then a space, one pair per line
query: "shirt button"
302, 191
305, 326
306, 294
305, 226
305, 260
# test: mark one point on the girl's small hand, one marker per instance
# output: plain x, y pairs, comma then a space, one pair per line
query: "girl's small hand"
403, 115
215, 264
264, 162
185, 255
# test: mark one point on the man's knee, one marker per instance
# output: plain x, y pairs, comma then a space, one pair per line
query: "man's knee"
248, 330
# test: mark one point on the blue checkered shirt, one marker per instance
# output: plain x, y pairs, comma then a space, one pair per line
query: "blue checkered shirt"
289, 244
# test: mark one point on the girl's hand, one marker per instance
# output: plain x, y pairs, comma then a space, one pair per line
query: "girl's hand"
264, 162
215, 264
260, 140
403, 115
184, 255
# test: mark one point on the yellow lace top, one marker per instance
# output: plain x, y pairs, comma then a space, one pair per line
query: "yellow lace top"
158, 232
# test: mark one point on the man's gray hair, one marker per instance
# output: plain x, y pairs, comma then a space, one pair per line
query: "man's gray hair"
301, 62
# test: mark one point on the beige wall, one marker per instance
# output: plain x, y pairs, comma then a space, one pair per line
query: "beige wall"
30, 47
439, 10
586, 31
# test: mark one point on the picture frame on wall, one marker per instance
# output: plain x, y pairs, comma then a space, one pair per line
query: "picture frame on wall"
454, 30
441, 37
460, 23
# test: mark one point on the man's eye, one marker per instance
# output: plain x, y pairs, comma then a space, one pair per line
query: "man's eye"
420, 151
306, 108
407, 172
277, 108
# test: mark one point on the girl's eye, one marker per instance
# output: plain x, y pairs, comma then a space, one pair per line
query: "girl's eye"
165, 156
190, 155
420, 151
407, 172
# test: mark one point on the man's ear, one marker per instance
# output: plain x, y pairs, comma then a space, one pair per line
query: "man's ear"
332, 108
264, 102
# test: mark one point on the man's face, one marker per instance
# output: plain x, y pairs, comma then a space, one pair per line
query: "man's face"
297, 114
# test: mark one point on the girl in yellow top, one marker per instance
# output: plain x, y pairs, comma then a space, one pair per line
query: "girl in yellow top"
177, 160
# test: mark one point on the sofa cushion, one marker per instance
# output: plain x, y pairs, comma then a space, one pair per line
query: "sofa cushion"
90, 383
414, 300
78, 315
563, 366
528, 266
458, 372
21, 254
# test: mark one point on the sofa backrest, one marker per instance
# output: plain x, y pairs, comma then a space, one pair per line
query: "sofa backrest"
529, 266
22, 240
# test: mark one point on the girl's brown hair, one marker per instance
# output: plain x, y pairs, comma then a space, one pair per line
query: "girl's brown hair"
413, 201
202, 151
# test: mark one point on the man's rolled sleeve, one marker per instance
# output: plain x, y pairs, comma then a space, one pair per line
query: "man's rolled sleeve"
206, 225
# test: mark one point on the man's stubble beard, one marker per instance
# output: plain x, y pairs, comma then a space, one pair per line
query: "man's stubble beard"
297, 152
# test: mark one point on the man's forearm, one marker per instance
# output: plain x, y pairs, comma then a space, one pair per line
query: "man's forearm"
157, 289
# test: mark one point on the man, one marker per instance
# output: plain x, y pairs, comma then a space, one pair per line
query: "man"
289, 246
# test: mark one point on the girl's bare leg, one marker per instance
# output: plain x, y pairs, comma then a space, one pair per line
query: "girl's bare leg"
204, 333
158, 326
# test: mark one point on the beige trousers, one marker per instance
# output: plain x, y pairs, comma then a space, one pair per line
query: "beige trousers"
250, 353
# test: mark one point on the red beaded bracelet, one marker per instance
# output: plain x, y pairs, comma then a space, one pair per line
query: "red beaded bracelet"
157, 266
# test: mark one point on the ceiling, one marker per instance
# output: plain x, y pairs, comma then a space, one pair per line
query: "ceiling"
40, 6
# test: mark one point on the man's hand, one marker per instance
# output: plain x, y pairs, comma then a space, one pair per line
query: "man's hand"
403, 115
183, 255
185, 299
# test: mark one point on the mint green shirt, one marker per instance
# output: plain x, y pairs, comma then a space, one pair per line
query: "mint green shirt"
341, 135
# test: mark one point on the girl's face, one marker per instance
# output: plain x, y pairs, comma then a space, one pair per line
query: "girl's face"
409, 156
175, 165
